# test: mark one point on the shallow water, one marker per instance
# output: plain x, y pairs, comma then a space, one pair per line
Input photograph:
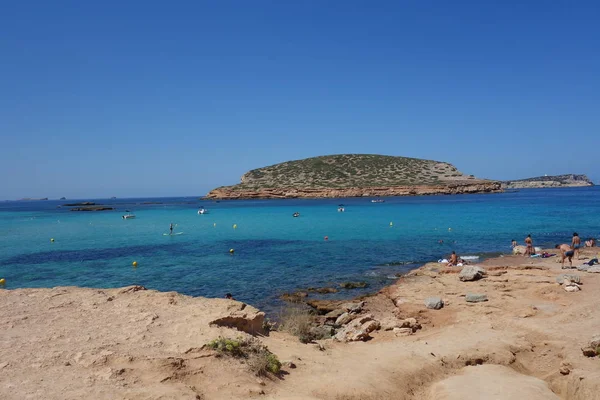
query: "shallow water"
274, 252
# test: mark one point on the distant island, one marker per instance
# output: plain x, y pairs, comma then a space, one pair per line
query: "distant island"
569, 180
354, 175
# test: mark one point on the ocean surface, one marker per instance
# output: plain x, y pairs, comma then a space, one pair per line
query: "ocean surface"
274, 252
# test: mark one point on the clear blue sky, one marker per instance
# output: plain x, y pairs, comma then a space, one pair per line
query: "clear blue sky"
138, 98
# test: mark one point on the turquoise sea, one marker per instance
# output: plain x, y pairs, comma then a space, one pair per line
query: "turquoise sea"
274, 252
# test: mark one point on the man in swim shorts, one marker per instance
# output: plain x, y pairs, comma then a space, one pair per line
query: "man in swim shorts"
453, 260
566, 252
529, 250
576, 244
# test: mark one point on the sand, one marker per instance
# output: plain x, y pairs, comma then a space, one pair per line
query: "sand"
72, 343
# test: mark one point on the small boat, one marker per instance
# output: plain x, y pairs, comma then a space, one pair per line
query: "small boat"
377, 201
341, 209
128, 216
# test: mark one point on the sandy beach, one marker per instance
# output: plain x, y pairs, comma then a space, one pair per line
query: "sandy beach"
525, 341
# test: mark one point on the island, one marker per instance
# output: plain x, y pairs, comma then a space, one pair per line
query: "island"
354, 175
569, 180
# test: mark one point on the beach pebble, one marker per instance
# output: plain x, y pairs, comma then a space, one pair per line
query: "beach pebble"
434, 303
471, 273
568, 277
475, 297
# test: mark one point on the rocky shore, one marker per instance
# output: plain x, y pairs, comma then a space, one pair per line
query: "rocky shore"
232, 192
509, 327
569, 180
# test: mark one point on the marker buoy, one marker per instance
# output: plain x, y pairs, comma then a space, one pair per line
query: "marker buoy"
134, 263
449, 229
2, 281
326, 238
234, 226
52, 240
215, 224
391, 224
231, 251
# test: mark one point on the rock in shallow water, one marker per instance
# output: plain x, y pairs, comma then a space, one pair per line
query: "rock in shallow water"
434, 303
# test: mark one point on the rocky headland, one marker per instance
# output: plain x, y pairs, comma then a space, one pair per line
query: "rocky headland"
510, 327
569, 180
354, 175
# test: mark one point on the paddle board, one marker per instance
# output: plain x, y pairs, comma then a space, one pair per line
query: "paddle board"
173, 234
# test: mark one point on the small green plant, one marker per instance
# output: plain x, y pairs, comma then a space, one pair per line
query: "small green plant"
257, 356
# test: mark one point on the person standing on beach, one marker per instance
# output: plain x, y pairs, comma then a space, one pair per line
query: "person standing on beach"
171, 229
576, 244
566, 252
529, 250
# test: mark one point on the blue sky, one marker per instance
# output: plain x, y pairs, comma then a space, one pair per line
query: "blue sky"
158, 99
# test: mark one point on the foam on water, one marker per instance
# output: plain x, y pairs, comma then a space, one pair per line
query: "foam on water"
274, 252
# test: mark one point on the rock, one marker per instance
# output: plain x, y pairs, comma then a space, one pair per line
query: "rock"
471, 273
572, 287
288, 364
295, 297
245, 318
583, 267
353, 285
324, 290
570, 277
358, 329
595, 342
565, 368
434, 303
589, 352
399, 301
324, 306
594, 269
387, 324
343, 319
333, 315
403, 331
131, 289
353, 307
476, 298
321, 332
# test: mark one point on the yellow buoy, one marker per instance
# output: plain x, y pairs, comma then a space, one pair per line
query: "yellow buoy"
52, 240
215, 224
449, 229
391, 224
234, 226
231, 251
2, 281
134, 263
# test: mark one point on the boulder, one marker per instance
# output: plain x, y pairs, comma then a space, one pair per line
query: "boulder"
353, 307
388, 324
571, 287
358, 329
583, 267
243, 318
334, 315
321, 332
353, 285
476, 298
589, 352
594, 269
471, 273
568, 277
434, 303
344, 319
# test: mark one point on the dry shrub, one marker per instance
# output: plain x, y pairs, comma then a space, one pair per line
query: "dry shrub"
297, 321
257, 356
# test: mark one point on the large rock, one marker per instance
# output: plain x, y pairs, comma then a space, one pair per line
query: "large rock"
583, 267
243, 318
353, 307
434, 303
344, 319
358, 329
570, 277
490, 382
471, 273
476, 298
594, 269
595, 342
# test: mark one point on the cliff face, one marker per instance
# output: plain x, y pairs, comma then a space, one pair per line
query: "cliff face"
354, 175
570, 180
232, 192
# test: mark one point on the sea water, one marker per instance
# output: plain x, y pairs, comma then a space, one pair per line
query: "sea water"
273, 251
